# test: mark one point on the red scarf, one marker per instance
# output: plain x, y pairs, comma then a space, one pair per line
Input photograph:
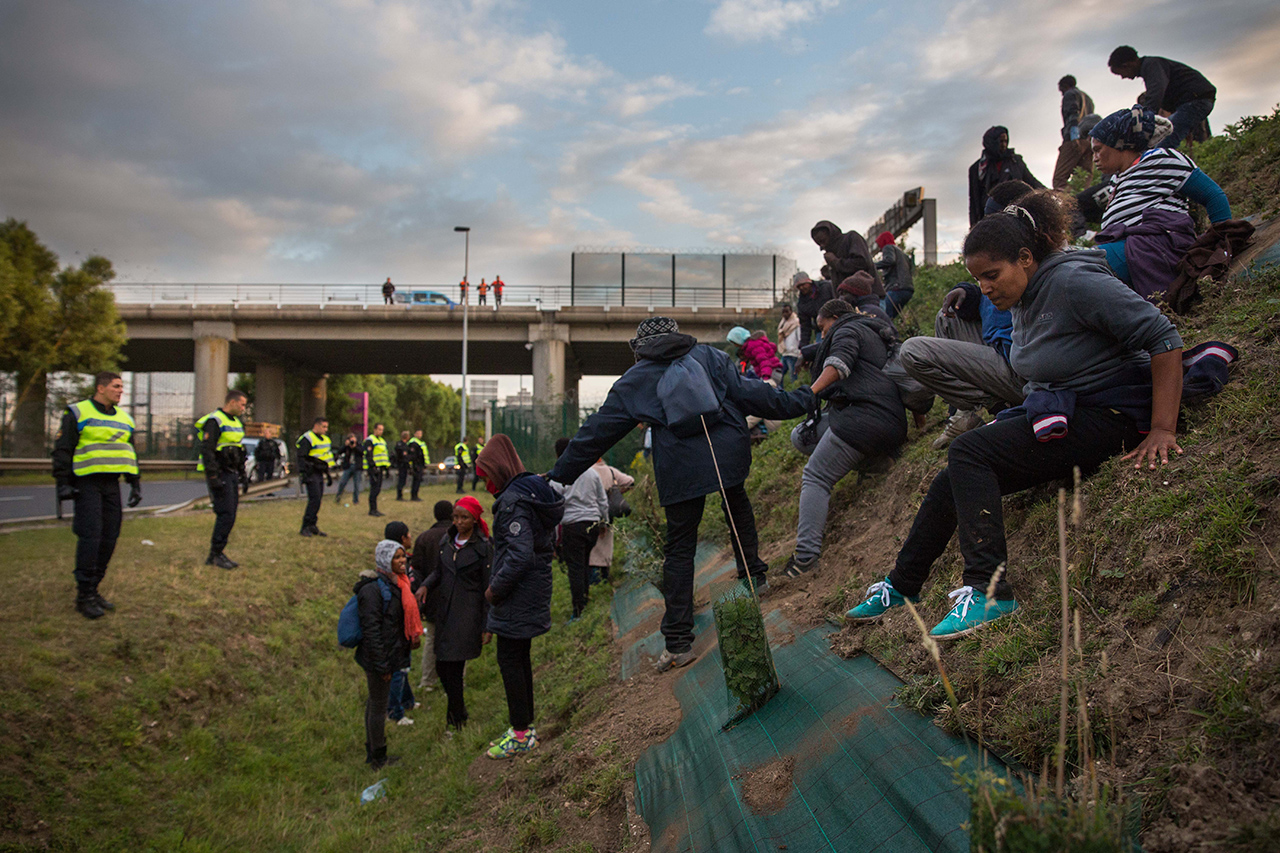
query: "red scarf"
412, 619
472, 506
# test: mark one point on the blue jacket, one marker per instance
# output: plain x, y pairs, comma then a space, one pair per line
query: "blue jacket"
683, 467
997, 325
525, 516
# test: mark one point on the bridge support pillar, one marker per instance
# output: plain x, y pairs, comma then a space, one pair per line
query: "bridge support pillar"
213, 359
315, 394
572, 375
550, 346
268, 396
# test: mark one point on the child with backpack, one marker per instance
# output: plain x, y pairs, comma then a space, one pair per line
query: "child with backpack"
389, 627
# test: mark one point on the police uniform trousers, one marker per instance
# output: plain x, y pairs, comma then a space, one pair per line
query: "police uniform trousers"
226, 501
98, 511
315, 492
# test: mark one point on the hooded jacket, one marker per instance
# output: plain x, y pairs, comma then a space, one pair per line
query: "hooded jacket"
851, 254
525, 516
383, 647
1079, 328
683, 467
807, 308
864, 405
994, 167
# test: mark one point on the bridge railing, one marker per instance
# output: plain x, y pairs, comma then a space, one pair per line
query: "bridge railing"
439, 296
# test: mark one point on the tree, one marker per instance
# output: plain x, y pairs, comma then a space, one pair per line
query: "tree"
62, 320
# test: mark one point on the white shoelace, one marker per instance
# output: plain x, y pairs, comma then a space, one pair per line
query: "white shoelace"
883, 588
963, 597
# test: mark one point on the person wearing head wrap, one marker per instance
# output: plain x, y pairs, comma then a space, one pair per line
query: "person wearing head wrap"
704, 401
895, 268
387, 629
525, 515
402, 698
458, 583
1146, 228
998, 163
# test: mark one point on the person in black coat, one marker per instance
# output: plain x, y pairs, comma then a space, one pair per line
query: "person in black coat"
810, 296
684, 467
401, 459
461, 612
525, 516
864, 419
997, 164
384, 648
845, 253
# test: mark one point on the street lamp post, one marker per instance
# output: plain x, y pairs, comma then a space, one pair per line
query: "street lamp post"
466, 261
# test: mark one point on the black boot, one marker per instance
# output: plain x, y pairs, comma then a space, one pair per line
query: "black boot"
316, 531
102, 602
87, 605
220, 560
380, 758
306, 531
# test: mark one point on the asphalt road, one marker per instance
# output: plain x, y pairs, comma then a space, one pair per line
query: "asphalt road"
37, 501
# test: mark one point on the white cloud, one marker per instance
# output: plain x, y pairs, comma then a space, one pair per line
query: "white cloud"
637, 98
756, 20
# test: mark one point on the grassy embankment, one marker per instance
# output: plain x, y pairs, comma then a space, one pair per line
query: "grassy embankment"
214, 710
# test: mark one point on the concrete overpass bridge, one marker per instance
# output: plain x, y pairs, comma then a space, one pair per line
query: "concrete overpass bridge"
279, 343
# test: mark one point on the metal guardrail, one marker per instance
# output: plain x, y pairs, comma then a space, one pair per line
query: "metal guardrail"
46, 465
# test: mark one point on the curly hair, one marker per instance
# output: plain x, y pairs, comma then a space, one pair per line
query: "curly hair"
834, 308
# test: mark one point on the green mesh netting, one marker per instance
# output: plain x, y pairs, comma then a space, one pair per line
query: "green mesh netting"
749, 675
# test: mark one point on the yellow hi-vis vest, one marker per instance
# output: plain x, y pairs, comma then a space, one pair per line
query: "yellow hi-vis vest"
426, 454
463, 452
320, 448
380, 457
232, 434
106, 442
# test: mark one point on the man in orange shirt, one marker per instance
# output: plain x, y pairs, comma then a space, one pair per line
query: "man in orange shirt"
462, 289
484, 293
498, 284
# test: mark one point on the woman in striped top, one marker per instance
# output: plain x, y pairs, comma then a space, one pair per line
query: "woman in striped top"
1146, 228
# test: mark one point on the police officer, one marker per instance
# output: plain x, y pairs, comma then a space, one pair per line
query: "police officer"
378, 463
475, 469
402, 464
315, 458
222, 461
93, 448
419, 459
266, 455
462, 456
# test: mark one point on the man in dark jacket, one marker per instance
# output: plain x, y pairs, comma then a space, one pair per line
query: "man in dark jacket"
1074, 152
1178, 90
683, 464
845, 252
997, 164
266, 455
810, 296
426, 553
402, 463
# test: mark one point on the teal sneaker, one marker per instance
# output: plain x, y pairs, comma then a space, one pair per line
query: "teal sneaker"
972, 611
880, 597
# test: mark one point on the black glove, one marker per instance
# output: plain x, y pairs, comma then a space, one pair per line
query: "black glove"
328, 478
135, 494
67, 492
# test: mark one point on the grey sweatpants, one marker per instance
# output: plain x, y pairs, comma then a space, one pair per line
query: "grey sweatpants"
961, 369
830, 460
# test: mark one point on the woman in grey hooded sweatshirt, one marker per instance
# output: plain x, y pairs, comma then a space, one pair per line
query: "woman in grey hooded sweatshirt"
1104, 376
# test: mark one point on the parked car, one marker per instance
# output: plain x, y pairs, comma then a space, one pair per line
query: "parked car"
449, 465
250, 444
424, 297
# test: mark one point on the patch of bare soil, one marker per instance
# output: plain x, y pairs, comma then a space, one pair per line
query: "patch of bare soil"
766, 789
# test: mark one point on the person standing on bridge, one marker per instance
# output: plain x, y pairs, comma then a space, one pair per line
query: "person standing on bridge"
388, 291
419, 459
402, 463
462, 291
315, 458
462, 460
498, 285
222, 461
94, 446
483, 290
378, 463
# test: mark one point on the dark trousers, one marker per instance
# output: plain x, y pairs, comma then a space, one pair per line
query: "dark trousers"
896, 300
375, 712
677, 564
96, 525
461, 472
484, 299
578, 540
226, 501
315, 491
985, 463
517, 677
265, 470
417, 482
475, 477
401, 477
387, 299
451, 674
375, 488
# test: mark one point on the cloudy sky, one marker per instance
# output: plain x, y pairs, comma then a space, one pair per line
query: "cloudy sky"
341, 140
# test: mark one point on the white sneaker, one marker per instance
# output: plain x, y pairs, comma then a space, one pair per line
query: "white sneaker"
957, 425
404, 721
